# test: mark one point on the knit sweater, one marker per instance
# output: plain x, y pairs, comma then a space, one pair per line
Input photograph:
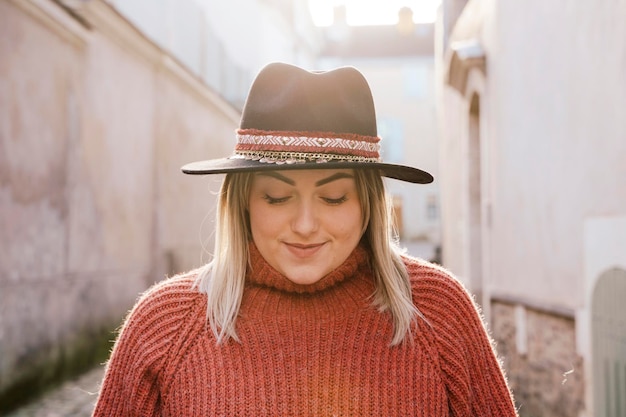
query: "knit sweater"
315, 350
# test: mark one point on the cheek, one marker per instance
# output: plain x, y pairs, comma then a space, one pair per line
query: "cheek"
263, 221
349, 222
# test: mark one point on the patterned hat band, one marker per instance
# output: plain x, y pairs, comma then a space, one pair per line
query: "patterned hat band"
282, 147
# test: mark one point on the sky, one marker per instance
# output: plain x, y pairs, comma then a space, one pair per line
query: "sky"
373, 12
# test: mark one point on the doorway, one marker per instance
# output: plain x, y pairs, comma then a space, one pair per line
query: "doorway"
609, 344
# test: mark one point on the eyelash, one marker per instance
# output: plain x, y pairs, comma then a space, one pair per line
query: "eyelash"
331, 201
272, 200
335, 201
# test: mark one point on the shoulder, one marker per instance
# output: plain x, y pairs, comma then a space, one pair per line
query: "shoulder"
426, 276
437, 293
179, 287
165, 303
449, 311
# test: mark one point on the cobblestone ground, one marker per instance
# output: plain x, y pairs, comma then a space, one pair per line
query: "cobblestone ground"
72, 399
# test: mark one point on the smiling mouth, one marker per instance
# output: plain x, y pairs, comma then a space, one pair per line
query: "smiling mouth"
304, 251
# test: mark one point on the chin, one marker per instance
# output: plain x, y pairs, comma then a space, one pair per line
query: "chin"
304, 279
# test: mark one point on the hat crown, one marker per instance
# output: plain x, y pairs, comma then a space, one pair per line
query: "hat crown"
284, 97
299, 119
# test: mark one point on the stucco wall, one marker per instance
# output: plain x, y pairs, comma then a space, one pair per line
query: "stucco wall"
562, 154
554, 132
95, 123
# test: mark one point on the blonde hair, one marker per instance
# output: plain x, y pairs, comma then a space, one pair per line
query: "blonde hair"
223, 279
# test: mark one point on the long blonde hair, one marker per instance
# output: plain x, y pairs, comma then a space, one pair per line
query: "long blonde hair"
223, 279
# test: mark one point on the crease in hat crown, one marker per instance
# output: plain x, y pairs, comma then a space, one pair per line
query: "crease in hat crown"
294, 118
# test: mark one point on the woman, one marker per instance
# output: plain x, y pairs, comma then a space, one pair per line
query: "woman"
308, 307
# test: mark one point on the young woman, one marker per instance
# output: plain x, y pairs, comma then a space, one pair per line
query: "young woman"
308, 307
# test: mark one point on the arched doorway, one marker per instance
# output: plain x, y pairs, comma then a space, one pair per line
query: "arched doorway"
609, 344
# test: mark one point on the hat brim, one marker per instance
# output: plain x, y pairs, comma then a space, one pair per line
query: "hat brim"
232, 165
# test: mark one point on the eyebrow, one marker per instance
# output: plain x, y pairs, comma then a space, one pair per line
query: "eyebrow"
334, 177
278, 176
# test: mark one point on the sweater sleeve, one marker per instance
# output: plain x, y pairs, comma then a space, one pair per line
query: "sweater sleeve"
474, 379
134, 373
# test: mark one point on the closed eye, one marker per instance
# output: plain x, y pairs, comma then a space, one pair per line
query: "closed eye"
335, 201
275, 200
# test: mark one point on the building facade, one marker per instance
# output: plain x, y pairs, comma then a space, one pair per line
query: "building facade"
532, 97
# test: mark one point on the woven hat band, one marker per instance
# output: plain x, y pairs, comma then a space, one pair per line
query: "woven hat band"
295, 147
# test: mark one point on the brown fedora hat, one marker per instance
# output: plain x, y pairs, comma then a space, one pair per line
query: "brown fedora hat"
298, 119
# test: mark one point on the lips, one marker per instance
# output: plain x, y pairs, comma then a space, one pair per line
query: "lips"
302, 250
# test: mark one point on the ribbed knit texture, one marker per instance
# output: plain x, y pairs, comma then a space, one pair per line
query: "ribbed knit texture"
318, 350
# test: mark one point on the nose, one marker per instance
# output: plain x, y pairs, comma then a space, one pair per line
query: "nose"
305, 220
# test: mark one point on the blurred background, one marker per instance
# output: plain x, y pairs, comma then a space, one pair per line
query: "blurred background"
517, 108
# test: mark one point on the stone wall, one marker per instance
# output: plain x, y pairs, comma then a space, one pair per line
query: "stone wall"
538, 352
95, 122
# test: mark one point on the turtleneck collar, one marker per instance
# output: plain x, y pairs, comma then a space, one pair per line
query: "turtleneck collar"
261, 273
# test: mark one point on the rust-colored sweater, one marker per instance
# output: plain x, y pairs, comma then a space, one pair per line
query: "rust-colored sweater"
318, 350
